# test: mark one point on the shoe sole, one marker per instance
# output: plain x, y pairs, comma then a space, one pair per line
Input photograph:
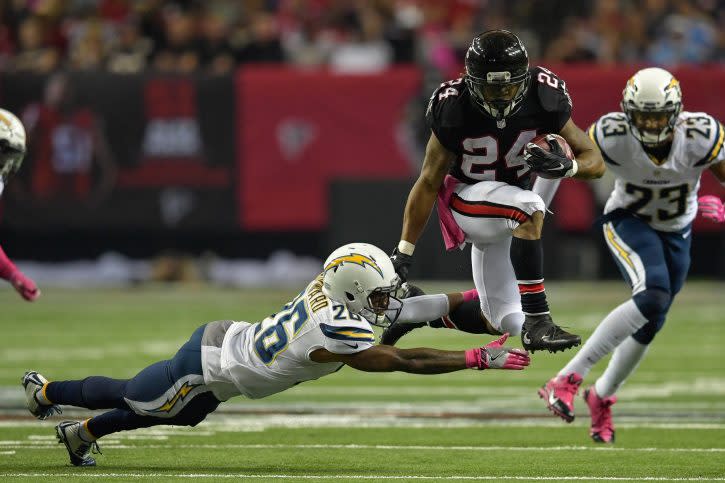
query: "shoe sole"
25, 380
49, 410
555, 347
543, 394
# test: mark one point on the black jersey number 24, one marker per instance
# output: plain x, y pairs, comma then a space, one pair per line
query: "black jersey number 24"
482, 156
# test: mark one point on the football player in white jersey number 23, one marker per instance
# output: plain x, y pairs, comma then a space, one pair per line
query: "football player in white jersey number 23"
657, 153
326, 326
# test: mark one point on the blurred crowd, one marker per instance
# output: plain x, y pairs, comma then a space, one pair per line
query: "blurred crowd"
214, 36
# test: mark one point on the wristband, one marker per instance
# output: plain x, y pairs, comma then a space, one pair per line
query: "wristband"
574, 168
473, 358
406, 248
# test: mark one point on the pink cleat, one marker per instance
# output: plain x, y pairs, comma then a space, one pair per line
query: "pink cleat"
602, 430
559, 395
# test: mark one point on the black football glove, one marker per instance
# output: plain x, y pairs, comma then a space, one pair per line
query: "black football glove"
401, 263
549, 164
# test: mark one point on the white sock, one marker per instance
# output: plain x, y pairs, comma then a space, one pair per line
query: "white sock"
619, 324
624, 361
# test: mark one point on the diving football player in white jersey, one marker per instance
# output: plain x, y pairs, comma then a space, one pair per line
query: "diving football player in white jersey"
657, 153
12, 153
326, 326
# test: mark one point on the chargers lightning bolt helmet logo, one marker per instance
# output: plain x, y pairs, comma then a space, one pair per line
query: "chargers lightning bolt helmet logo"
355, 258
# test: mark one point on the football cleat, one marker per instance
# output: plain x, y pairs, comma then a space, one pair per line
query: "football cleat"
79, 449
34, 382
395, 331
600, 409
540, 332
559, 394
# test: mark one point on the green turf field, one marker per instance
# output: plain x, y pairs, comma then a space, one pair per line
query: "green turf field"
467, 426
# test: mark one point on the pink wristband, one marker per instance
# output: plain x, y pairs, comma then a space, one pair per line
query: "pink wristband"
473, 358
470, 295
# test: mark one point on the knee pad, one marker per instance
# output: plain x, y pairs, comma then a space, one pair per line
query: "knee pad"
653, 303
511, 323
647, 333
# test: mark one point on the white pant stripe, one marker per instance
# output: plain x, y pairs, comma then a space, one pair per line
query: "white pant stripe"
173, 400
627, 257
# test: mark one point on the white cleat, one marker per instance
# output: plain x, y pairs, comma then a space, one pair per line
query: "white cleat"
34, 382
78, 448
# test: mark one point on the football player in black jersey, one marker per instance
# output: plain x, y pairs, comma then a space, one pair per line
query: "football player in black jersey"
482, 127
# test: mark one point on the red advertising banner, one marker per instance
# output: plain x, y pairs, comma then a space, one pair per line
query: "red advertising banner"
298, 130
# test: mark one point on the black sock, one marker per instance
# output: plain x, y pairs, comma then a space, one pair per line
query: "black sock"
527, 258
95, 392
467, 318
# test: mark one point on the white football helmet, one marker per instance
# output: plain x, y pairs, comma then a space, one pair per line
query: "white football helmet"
12, 144
652, 100
362, 277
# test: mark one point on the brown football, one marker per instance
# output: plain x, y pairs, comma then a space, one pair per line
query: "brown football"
541, 141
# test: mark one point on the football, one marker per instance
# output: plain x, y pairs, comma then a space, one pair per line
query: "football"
542, 141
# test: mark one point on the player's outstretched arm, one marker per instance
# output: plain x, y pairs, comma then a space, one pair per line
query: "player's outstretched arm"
382, 358
24, 285
420, 202
590, 163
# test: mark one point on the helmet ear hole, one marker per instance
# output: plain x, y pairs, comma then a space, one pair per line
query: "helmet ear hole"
349, 296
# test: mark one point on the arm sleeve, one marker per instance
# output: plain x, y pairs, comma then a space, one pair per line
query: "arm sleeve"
423, 308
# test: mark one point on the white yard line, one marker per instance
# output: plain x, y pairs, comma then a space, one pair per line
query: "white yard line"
256, 423
605, 449
93, 474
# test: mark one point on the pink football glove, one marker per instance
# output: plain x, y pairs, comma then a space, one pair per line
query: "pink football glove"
25, 287
495, 356
711, 207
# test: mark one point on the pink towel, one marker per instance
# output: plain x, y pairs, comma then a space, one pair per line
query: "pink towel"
453, 236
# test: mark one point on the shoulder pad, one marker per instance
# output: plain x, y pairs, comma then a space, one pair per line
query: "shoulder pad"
608, 133
552, 91
704, 137
444, 109
346, 333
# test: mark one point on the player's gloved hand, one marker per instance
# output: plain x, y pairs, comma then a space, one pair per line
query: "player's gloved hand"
549, 164
25, 286
401, 263
495, 356
711, 207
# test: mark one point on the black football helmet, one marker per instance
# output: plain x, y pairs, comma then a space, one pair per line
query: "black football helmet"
497, 73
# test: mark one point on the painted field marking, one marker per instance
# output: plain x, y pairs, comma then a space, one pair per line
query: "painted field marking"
92, 474
40, 445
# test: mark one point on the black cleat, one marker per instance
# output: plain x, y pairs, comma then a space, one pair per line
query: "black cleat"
540, 332
396, 330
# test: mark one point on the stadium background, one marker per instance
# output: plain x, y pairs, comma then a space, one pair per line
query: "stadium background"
239, 129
